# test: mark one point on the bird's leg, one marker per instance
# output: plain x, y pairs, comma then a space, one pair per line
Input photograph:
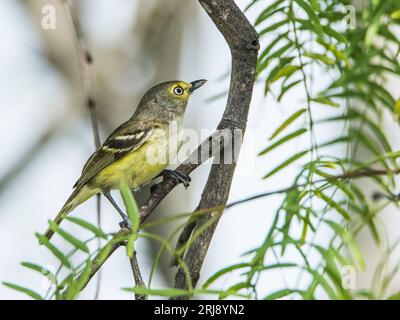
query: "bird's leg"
178, 176
126, 221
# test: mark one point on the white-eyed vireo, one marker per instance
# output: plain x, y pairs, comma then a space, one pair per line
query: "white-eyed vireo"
125, 155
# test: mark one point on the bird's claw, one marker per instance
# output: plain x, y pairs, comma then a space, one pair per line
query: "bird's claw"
153, 188
178, 176
126, 223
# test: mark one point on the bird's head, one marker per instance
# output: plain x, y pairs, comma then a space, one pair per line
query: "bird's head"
168, 98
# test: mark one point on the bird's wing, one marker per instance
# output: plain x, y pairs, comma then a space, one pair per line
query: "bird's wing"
122, 141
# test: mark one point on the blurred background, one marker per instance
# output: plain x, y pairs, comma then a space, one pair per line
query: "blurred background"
45, 133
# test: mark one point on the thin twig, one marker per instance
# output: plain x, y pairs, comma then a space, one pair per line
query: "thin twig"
85, 60
137, 276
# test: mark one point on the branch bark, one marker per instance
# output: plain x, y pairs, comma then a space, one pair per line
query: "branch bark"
137, 275
242, 40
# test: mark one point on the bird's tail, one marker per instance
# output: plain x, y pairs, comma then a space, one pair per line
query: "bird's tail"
78, 196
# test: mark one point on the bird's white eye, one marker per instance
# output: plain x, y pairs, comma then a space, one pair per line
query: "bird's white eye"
178, 91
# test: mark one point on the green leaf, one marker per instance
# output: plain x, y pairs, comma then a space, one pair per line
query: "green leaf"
223, 271
349, 241
67, 236
130, 245
77, 285
281, 265
312, 15
287, 122
283, 140
379, 134
315, 5
27, 291
332, 33
319, 279
280, 294
286, 88
169, 292
306, 223
277, 54
371, 33
130, 205
273, 27
395, 15
321, 57
339, 184
326, 101
267, 50
333, 204
133, 213
267, 12
283, 61
334, 141
42, 270
54, 250
397, 109
286, 71
336, 52
234, 289
286, 163
395, 296
86, 225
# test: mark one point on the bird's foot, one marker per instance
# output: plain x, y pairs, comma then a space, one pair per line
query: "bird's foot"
178, 176
126, 223
153, 188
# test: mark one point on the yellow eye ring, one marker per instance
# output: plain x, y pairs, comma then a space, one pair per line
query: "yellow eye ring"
178, 91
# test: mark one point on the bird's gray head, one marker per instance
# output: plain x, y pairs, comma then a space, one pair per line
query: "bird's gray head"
167, 100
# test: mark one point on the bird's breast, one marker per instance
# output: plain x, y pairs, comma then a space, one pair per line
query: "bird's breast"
143, 164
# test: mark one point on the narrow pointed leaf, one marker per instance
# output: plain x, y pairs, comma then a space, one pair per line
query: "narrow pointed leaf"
54, 250
86, 225
283, 140
69, 237
286, 163
287, 122
333, 204
27, 291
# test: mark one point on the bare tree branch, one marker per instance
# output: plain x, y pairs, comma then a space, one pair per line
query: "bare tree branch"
243, 43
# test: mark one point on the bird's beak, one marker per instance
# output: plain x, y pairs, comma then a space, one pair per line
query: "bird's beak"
196, 84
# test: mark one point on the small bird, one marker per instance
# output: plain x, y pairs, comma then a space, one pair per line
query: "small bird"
129, 155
